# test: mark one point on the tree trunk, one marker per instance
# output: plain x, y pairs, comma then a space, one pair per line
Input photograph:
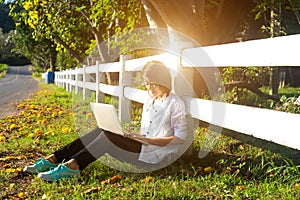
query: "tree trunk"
274, 81
274, 75
101, 46
154, 18
53, 61
103, 53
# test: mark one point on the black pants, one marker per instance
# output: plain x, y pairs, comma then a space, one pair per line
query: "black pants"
96, 143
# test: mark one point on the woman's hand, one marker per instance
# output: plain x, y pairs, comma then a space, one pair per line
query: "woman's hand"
138, 136
132, 135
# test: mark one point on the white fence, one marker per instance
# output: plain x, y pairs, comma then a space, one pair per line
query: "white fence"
269, 125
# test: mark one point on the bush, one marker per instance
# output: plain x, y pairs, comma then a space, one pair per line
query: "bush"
258, 76
3, 70
255, 77
288, 104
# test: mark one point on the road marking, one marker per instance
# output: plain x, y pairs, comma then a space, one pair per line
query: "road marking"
17, 74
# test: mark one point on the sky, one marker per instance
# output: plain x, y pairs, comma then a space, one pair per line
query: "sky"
8, 1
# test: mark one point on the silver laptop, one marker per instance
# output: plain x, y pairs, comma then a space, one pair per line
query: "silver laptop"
107, 119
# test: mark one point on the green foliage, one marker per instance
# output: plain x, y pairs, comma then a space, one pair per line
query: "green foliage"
290, 20
73, 27
3, 67
254, 76
37, 51
288, 104
258, 76
242, 96
6, 22
7, 26
7, 53
114, 20
3, 70
66, 61
54, 28
140, 43
284, 20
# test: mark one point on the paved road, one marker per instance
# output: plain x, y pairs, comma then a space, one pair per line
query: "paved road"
16, 86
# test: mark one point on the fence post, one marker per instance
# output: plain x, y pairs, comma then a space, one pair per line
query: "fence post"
68, 80
85, 92
183, 86
72, 80
99, 79
54, 78
65, 77
59, 79
76, 81
124, 80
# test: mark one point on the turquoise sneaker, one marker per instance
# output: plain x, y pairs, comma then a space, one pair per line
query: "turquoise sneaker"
41, 165
59, 172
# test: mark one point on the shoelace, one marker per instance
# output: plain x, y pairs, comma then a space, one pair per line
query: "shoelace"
40, 161
57, 168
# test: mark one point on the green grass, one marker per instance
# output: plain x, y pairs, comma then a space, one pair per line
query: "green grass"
46, 122
287, 91
3, 70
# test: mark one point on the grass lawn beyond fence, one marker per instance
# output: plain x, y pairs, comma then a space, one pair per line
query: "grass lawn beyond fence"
45, 122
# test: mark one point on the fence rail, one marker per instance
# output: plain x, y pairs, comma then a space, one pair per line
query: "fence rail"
268, 125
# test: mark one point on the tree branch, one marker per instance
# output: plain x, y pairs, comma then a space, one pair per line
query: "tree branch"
243, 84
70, 50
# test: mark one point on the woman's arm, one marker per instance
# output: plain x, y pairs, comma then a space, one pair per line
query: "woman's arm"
162, 141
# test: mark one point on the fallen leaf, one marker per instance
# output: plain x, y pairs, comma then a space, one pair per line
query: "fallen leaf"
127, 189
13, 170
21, 195
7, 165
111, 180
2, 139
149, 179
92, 190
44, 196
208, 169
13, 126
240, 187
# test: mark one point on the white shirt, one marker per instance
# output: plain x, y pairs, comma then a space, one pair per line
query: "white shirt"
162, 118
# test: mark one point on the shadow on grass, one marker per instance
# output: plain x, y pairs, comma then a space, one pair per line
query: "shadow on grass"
245, 166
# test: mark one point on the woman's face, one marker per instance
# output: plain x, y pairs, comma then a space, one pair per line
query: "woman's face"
155, 90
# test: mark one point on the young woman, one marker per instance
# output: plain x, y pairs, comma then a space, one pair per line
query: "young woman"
163, 126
